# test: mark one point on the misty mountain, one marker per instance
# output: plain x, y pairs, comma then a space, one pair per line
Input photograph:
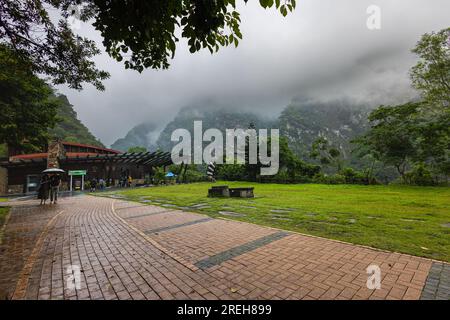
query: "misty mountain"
303, 122
219, 118
142, 135
69, 127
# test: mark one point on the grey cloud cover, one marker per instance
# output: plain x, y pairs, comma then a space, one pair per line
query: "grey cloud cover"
323, 50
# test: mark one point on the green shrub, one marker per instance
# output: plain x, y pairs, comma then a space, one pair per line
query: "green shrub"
357, 177
194, 176
329, 179
420, 175
160, 176
231, 172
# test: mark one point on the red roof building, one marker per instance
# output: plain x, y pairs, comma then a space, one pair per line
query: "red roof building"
82, 163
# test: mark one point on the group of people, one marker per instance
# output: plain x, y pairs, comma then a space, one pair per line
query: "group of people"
99, 184
50, 183
49, 187
125, 181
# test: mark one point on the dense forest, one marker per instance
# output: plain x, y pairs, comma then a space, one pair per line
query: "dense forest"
69, 127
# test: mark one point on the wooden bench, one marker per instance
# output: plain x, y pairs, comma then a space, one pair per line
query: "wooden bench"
241, 192
219, 191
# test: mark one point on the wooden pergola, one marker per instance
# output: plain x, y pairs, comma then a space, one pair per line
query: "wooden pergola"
151, 159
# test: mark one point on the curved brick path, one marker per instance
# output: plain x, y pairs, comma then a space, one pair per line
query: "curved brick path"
133, 251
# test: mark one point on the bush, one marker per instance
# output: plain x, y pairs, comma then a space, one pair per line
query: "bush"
194, 176
284, 176
420, 175
345, 176
160, 176
357, 177
231, 172
329, 179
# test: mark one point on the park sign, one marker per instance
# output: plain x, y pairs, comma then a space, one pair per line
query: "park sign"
77, 172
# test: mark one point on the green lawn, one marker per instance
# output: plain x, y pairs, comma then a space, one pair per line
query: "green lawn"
414, 220
3, 213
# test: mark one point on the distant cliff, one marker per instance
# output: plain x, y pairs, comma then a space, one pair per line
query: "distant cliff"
219, 118
339, 122
70, 128
142, 135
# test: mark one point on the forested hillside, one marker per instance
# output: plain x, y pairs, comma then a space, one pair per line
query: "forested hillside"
69, 127
142, 135
220, 118
302, 123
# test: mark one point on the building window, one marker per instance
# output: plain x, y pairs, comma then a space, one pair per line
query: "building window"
32, 183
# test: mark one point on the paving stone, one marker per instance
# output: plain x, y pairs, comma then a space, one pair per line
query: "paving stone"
279, 217
162, 229
231, 214
437, 285
236, 251
280, 211
248, 207
199, 205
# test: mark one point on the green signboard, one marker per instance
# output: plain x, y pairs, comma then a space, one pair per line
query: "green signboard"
77, 172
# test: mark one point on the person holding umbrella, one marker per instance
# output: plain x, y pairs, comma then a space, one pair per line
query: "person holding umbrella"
55, 182
44, 187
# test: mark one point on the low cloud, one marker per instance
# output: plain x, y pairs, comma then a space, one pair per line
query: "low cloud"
323, 51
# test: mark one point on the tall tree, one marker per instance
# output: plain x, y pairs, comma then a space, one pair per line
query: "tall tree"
143, 34
431, 74
418, 132
52, 49
27, 105
327, 154
392, 137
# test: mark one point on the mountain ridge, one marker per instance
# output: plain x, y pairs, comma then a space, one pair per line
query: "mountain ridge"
69, 128
302, 122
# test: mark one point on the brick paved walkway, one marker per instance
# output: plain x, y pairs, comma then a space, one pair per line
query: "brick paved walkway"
133, 251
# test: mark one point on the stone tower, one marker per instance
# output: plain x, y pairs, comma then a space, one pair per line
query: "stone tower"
55, 151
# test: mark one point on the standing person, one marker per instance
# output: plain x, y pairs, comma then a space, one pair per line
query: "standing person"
55, 182
44, 186
93, 184
130, 180
101, 184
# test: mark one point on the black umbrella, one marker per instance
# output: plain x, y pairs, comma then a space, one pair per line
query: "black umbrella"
53, 170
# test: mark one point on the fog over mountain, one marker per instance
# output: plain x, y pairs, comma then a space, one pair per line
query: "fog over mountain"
322, 51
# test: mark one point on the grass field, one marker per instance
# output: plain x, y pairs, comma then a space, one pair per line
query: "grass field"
3, 213
414, 220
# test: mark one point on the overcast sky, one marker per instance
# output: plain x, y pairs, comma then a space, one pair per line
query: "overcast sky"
323, 50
